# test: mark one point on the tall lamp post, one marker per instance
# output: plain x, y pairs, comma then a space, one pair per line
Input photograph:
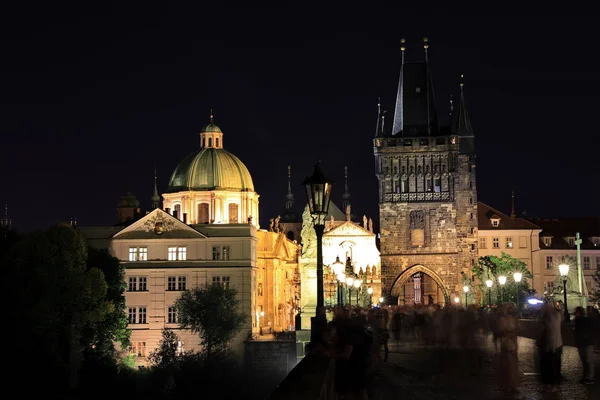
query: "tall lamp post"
489, 284
517, 276
466, 290
357, 284
318, 192
370, 292
502, 281
564, 272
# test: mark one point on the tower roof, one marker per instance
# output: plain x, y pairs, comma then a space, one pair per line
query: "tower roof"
415, 112
462, 124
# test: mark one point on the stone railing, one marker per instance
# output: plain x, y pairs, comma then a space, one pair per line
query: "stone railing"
312, 378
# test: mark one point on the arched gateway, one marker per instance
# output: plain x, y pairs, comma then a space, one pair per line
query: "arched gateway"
410, 272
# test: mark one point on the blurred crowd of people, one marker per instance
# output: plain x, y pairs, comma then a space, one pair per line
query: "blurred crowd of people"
358, 340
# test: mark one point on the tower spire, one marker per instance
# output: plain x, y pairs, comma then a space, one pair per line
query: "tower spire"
289, 198
426, 46
346, 195
513, 212
5, 222
378, 116
155, 196
212, 117
463, 122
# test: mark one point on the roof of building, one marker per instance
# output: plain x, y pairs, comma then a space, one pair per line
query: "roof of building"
210, 169
561, 229
485, 214
211, 127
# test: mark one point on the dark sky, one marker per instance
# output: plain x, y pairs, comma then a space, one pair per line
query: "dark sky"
94, 96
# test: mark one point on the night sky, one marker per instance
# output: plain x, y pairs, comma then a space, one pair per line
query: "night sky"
94, 98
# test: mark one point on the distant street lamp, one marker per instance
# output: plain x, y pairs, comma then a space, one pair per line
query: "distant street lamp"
564, 272
318, 192
337, 267
357, 284
466, 290
349, 285
381, 300
517, 276
502, 281
456, 299
489, 284
370, 292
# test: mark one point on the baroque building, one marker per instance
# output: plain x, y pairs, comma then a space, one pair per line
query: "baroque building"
427, 191
205, 233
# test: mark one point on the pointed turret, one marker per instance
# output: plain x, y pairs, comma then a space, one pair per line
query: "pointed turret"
211, 135
346, 195
155, 197
463, 123
415, 112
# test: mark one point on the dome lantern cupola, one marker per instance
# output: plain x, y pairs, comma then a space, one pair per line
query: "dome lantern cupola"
211, 135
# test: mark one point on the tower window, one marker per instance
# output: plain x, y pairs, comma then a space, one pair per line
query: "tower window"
233, 213
209, 142
216, 142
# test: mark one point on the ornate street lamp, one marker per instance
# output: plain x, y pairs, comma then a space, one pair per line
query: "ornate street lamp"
466, 290
338, 268
357, 284
564, 272
502, 281
318, 192
489, 284
517, 276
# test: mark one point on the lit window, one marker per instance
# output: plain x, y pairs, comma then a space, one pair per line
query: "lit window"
549, 262
509, 243
571, 241
586, 262
547, 241
225, 281
495, 222
181, 253
133, 254
143, 254
138, 349
226, 252
496, 243
172, 253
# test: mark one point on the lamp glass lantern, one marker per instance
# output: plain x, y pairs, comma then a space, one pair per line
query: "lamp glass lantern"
517, 276
370, 290
318, 192
563, 269
337, 266
489, 283
502, 279
465, 289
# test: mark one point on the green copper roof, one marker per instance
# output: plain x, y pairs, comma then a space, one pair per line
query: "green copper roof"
210, 169
211, 128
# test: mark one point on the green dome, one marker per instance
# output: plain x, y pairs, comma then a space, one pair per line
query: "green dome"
210, 169
211, 128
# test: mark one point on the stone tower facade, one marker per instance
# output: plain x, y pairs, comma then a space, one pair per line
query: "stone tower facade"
427, 191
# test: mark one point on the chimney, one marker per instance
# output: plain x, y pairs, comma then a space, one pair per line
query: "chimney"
168, 210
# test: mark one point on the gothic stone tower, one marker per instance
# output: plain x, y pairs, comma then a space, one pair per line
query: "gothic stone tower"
427, 190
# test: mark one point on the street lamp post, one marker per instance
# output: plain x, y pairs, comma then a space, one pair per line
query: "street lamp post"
564, 272
489, 284
318, 192
338, 268
466, 290
370, 292
517, 277
357, 284
502, 281
349, 285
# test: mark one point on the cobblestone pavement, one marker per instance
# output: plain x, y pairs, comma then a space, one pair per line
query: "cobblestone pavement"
423, 373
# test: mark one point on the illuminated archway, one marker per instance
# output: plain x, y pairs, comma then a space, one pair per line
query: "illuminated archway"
409, 272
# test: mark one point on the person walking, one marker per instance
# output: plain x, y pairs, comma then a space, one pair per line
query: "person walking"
584, 340
550, 345
508, 365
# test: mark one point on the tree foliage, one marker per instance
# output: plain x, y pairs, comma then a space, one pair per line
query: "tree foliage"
213, 313
167, 352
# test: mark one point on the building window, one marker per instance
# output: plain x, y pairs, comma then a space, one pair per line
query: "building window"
571, 241
131, 315
496, 243
495, 222
549, 262
472, 246
171, 283
203, 213
181, 253
596, 241
142, 286
509, 243
138, 349
522, 242
483, 243
547, 241
221, 280
172, 315
143, 254
226, 251
437, 184
172, 253
216, 252
586, 262
132, 284
142, 315
428, 187
549, 287
181, 283
233, 213
133, 254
